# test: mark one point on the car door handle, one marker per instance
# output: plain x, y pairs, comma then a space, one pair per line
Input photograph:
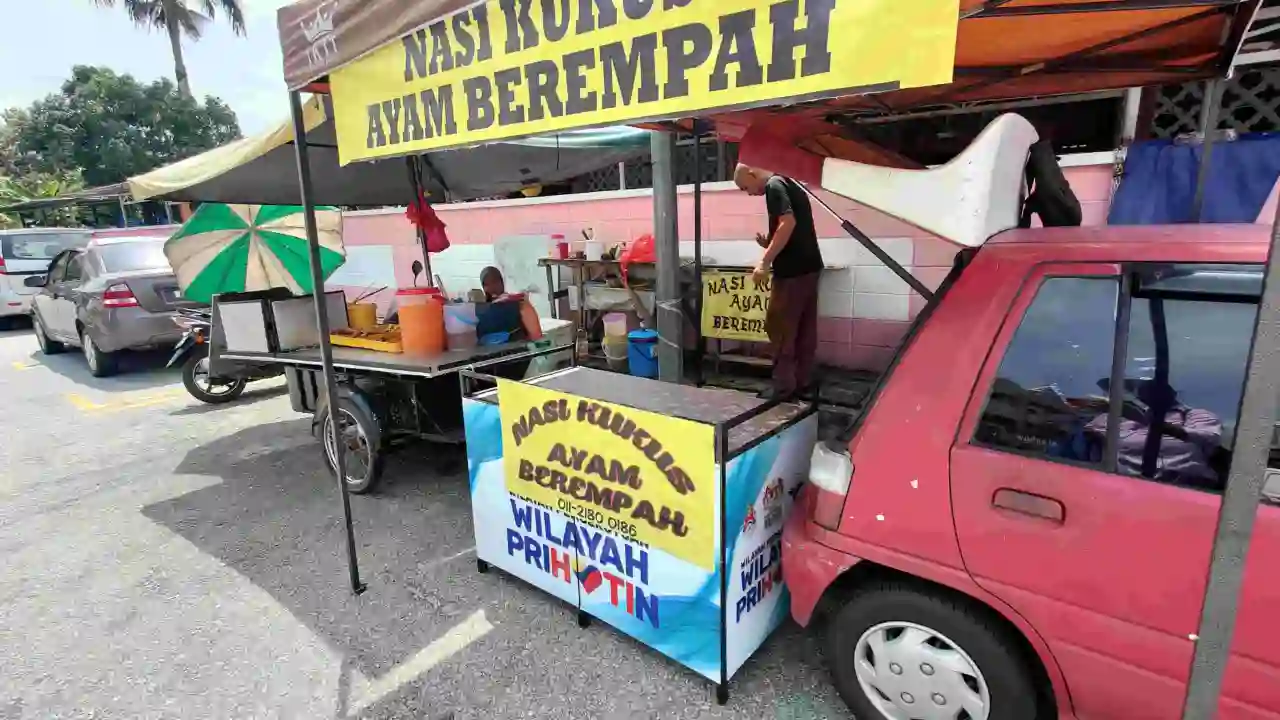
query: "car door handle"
1025, 503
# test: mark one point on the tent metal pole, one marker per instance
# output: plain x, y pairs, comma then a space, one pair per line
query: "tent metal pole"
1208, 126
666, 235
322, 322
1245, 481
700, 349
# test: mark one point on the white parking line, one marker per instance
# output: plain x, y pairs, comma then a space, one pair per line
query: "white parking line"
457, 639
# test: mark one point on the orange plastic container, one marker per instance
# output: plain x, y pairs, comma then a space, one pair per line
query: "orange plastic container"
422, 328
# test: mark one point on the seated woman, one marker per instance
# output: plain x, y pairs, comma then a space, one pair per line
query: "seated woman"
505, 313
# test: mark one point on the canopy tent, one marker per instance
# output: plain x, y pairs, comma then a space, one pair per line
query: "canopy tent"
1005, 48
262, 170
88, 196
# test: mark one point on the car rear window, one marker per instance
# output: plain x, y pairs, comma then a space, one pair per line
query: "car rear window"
123, 257
39, 246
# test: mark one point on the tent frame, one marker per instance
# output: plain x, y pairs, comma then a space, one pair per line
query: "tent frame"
1254, 431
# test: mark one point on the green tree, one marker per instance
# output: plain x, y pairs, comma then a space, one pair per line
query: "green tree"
111, 127
176, 18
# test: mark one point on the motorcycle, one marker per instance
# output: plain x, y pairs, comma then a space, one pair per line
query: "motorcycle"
195, 353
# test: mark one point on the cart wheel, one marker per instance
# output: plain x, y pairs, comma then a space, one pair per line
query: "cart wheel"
362, 442
482, 566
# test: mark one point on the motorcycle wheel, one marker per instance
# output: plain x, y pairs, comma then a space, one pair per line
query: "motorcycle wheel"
203, 386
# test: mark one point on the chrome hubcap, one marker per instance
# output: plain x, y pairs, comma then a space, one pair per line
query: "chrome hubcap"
911, 672
357, 455
200, 376
90, 352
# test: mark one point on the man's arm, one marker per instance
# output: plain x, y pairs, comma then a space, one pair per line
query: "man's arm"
781, 236
779, 206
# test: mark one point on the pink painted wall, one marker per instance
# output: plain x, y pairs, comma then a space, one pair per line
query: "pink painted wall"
865, 309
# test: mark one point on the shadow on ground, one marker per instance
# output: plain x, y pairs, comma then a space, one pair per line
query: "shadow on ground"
276, 519
254, 393
137, 370
15, 326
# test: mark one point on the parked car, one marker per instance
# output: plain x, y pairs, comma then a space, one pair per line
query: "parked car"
28, 252
116, 294
981, 544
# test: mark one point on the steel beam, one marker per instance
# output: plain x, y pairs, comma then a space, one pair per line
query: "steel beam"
666, 236
1245, 481
322, 322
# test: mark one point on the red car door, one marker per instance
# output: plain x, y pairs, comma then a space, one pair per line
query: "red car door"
1105, 553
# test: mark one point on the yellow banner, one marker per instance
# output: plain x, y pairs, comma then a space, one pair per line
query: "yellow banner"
639, 475
504, 69
734, 306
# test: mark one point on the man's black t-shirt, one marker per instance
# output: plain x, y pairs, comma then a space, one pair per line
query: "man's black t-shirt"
801, 255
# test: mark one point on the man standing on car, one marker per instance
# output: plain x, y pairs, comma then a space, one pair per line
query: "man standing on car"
791, 251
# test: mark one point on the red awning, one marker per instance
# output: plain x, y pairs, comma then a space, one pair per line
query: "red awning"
1011, 50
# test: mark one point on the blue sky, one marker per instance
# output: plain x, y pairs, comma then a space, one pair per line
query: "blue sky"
44, 38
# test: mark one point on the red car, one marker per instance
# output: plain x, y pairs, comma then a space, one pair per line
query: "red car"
1021, 523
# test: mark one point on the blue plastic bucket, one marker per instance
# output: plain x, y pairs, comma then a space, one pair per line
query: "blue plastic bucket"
642, 353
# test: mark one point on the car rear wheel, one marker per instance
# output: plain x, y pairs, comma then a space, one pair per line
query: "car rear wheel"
206, 388
101, 362
897, 651
47, 345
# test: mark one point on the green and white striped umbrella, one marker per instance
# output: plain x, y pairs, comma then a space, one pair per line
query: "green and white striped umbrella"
243, 248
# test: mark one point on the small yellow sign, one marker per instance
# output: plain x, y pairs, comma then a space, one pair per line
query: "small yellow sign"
641, 476
505, 69
735, 306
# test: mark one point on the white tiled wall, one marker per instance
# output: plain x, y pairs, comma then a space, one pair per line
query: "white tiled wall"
861, 286
459, 267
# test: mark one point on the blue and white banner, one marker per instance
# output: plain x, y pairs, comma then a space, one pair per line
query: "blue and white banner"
667, 603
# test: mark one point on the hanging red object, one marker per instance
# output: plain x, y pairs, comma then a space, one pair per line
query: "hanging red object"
640, 250
424, 217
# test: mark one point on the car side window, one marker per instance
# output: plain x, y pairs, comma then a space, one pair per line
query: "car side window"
75, 268
1051, 383
58, 270
1183, 380
1186, 351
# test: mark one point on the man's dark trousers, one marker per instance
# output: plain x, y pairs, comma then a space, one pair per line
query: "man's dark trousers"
792, 324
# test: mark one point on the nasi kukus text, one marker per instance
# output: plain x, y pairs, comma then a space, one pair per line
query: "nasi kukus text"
646, 477
506, 69
646, 69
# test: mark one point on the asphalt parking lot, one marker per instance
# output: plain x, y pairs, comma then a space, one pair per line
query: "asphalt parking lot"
167, 559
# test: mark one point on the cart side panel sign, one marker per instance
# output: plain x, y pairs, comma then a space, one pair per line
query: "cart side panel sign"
645, 477
735, 306
761, 486
505, 69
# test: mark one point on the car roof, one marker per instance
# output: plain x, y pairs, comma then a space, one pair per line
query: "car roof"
1116, 234
101, 241
44, 231
1190, 242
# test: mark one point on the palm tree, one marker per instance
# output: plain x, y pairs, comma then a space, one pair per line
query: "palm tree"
176, 18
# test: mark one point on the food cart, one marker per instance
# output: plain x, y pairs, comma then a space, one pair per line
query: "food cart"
653, 507
455, 73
